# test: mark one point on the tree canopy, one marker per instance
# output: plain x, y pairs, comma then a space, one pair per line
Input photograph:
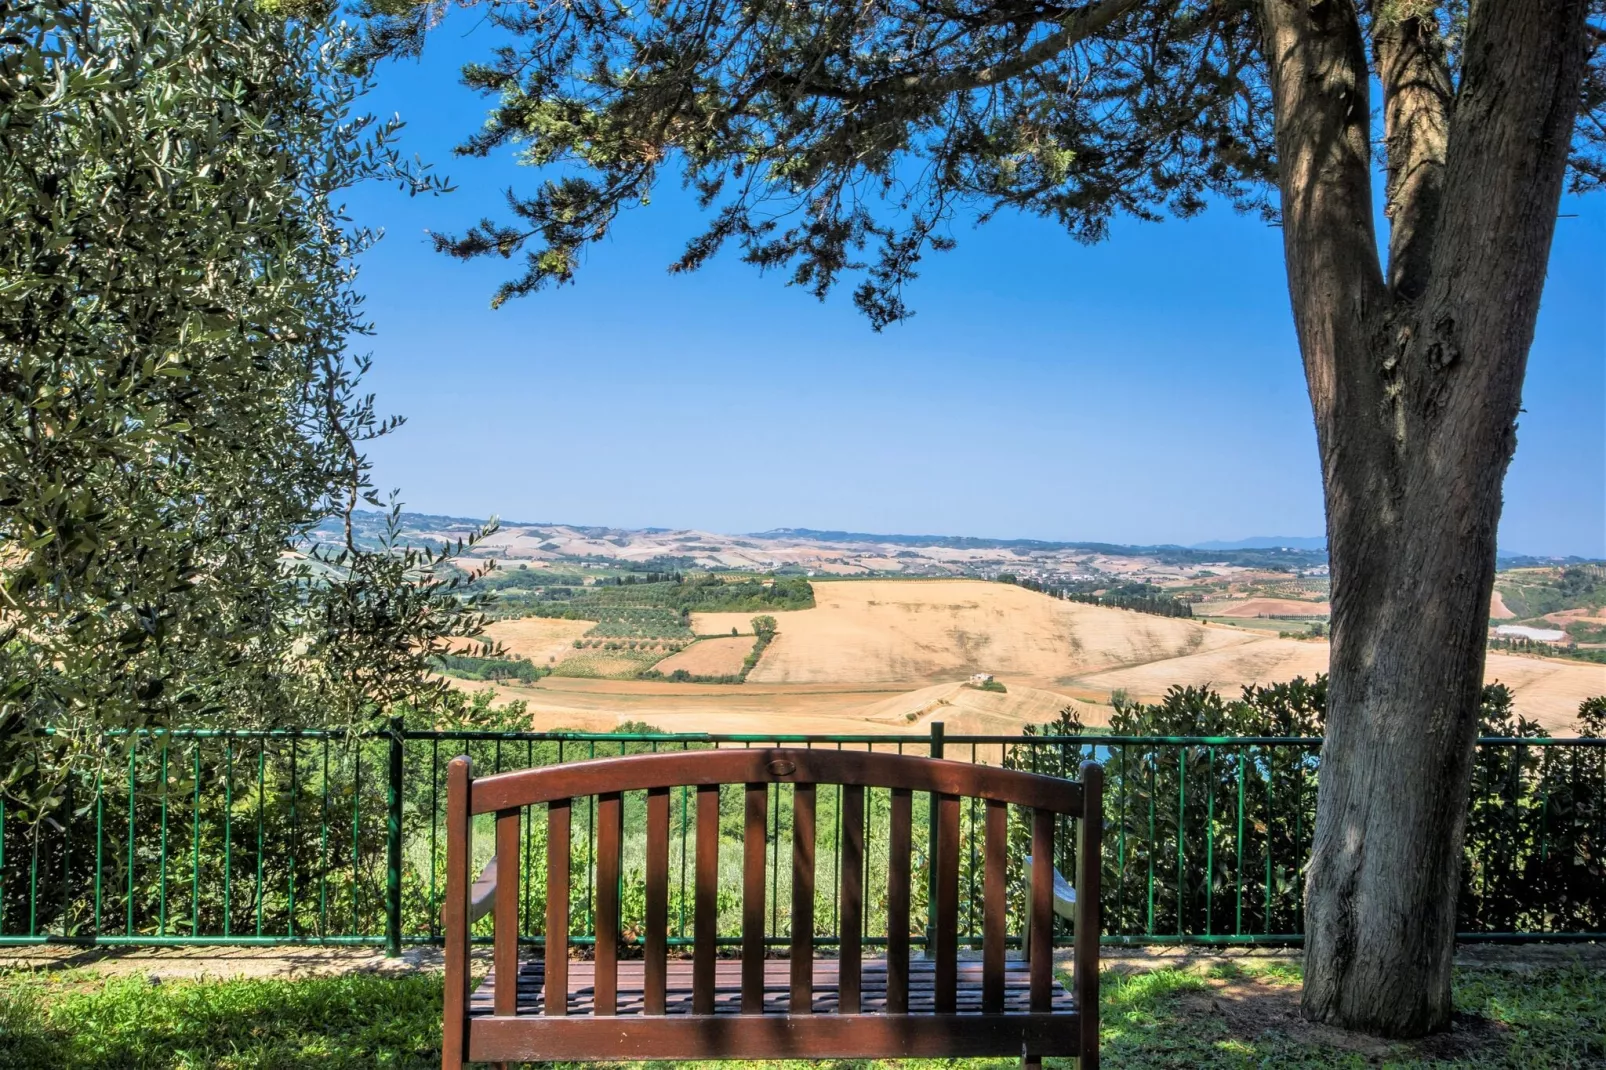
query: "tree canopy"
836, 139
178, 403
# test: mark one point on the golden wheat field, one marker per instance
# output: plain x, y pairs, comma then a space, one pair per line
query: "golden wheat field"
933, 631
538, 638
710, 657
1262, 607
599, 705
1548, 690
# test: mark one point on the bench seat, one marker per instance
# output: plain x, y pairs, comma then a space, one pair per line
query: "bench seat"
777, 988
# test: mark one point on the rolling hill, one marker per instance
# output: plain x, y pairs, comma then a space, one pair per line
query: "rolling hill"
922, 632
880, 656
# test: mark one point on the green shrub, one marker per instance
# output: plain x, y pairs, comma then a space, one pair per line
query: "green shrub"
1188, 862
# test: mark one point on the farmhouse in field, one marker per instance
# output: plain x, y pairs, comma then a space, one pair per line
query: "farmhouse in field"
1543, 635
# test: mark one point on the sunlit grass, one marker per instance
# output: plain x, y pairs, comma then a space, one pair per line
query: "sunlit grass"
1551, 1018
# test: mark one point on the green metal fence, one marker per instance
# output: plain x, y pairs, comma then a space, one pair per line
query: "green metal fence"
219, 837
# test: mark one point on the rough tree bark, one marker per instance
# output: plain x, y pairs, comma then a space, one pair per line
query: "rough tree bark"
1415, 375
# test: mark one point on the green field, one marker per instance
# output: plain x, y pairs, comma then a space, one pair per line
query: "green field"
1532, 592
1274, 625
682, 593
1584, 631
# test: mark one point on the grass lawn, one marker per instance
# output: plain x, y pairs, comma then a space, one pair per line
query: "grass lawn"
1227, 1016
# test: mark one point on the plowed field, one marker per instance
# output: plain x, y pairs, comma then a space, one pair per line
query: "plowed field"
710, 657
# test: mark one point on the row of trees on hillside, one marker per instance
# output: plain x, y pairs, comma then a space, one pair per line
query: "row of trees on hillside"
495, 670
683, 593
1517, 644
1138, 597
1141, 600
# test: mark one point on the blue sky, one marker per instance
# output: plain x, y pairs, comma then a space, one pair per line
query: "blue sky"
1144, 390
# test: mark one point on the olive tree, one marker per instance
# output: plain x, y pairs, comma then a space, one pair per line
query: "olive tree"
178, 404
841, 139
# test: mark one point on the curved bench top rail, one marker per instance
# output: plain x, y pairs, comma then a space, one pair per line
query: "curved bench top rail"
868, 769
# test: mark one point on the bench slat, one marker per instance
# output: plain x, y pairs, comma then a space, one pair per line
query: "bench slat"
1041, 907
758, 797
610, 823
459, 856
803, 841
557, 904
946, 909
506, 954
777, 988
994, 890
1086, 979
657, 937
705, 920
898, 901
850, 908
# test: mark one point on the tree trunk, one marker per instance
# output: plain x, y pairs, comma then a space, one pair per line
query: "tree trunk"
1415, 381
1412, 573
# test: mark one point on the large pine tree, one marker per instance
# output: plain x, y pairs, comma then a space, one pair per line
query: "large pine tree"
841, 138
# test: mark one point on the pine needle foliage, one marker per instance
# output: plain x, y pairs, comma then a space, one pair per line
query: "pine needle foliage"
831, 140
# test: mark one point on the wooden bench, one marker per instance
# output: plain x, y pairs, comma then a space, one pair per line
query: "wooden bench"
548, 1008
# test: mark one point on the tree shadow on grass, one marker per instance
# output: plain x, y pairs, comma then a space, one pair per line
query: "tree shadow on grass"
1230, 1017
1253, 1011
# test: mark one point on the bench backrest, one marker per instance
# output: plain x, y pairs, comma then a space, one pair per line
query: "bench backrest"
558, 787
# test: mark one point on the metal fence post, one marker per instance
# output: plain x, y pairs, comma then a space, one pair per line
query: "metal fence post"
931, 857
393, 842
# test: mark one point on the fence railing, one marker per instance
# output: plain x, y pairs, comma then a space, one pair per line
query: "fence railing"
243, 837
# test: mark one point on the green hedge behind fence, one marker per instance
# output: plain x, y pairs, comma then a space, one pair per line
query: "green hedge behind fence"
248, 837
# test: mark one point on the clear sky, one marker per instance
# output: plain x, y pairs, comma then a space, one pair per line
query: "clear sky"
1145, 390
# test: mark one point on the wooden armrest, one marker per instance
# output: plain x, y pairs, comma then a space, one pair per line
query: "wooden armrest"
482, 896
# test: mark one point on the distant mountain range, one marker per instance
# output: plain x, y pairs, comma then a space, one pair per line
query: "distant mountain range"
1266, 542
1298, 551
1271, 553
965, 542
949, 542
